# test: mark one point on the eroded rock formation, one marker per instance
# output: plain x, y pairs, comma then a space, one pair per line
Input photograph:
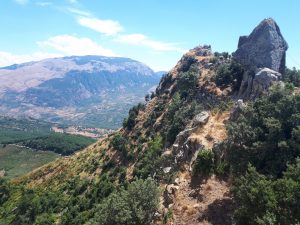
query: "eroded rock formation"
262, 53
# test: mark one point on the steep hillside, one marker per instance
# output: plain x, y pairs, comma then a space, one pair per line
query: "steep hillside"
94, 91
195, 140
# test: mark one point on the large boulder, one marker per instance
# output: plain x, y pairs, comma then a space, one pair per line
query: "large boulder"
264, 47
200, 119
253, 86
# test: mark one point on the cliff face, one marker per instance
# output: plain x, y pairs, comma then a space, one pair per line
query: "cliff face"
264, 47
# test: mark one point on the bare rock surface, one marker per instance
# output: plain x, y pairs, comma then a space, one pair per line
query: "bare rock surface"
264, 47
263, 54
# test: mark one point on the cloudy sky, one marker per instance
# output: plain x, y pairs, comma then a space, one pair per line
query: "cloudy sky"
156, 32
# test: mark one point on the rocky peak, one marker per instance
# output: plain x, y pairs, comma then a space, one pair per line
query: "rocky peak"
264, 47
262, 53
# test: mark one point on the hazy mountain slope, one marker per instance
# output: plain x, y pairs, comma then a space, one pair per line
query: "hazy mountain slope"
75, 89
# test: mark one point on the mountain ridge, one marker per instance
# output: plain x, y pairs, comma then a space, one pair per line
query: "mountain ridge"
196, 141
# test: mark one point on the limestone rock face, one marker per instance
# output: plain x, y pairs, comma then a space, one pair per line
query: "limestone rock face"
200, 119
254, 86
264, 47
184, 146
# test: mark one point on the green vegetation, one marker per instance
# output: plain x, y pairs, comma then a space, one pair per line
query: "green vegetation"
64, 144
15, 130
204, 163
261, 150
266, 134
229, 74
37, 135
186, 62
133, 206
80, 202
17, 161
292, 76
120, 144
187, 82
178, 120
263, 200
225, 55
157, 111
148, 162
129, 122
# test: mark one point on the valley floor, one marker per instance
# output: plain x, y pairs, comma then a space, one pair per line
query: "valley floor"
16, 160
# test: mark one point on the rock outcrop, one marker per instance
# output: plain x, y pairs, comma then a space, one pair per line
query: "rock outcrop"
253, 86
184, 147
262, 53
264, 47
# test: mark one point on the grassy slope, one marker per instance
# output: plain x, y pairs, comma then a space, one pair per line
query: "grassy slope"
99, 158
18, 161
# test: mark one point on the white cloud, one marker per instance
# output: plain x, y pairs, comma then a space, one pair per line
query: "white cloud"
79, 12
143, 40
21, 2
7, 58
107, 27
71, 45
43, 3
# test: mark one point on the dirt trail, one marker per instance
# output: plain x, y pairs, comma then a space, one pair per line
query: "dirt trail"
202, 203
213, 131
207, 202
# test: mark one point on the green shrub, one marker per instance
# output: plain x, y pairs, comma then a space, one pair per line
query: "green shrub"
292, 76
148, 163
204, 163
178, 120
266, 134
5, 189
229, 74
119, 143
225, 55
222, 169
264, 200
187, 82
134, 206
130, 122
186, 62
64, 144
157, 111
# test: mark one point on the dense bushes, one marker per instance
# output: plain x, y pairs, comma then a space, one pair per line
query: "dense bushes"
229, 74
263, 200
292, 76
120, 144
204, 163
148, 163
129, 122
187, 82
179, 119
64, 144
157, 111
186, 62
134, 206
4, 190
266, 134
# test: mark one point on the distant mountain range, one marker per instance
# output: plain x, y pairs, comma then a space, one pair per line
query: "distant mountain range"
93, 91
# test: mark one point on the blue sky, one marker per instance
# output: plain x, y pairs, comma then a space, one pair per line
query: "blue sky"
156, 32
